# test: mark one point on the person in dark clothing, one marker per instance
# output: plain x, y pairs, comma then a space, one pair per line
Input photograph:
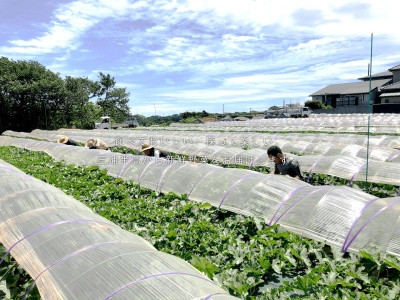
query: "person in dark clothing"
66, 141
149, 150
284, 165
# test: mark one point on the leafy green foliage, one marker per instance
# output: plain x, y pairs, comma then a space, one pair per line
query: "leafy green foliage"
78, 111
376, 189
29, 94
113, 101
33, 97
126, 150
242, 254
14, 281
316, 104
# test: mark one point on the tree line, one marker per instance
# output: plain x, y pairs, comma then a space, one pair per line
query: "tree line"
33, 97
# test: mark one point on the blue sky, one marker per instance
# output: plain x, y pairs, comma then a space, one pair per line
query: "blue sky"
176, 56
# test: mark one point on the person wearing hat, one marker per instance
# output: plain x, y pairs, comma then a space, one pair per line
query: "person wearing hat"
96, 144
149, 150
66, 141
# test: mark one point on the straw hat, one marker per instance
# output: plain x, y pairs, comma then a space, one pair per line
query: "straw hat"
90, 143
146, 147
62, 140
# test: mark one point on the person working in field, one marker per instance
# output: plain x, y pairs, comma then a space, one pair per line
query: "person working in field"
284, 165
149, 150
96, 144
66, 141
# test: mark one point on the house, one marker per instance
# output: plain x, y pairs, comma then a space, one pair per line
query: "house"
391, 92
357, 93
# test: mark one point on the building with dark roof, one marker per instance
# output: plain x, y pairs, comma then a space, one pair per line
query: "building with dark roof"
382, 75
385, 88
391, 93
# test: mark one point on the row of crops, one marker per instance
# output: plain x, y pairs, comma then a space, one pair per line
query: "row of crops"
246, 257
340, 215
73, 253
340, 156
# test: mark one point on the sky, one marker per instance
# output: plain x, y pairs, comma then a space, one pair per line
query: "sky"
213, 55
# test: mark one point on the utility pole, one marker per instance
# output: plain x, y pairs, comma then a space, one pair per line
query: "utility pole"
223, 109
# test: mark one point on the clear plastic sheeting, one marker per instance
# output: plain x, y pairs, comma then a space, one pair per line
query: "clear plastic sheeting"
338, 215
352, 168
73, 253
378, 216
184, 179
345, 164
347, 123
315, 122
382, 148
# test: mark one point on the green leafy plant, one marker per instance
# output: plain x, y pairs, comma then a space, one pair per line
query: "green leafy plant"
245, 256
14, 281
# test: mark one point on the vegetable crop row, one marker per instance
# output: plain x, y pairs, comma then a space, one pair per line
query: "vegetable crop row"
242, 254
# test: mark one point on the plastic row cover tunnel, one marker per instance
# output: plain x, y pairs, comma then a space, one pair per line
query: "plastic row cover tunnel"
345, 166
321, 144
72, 253
338, 215
324, 144
316, 122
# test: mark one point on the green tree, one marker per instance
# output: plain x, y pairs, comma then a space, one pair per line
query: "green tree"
190, 120
316, 104
78, 110
30, 95
187, 114
113, 101
92, 113
204, 114
33, 97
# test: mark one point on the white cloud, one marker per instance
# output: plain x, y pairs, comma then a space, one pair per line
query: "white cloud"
70, 21
215, 51
129, 85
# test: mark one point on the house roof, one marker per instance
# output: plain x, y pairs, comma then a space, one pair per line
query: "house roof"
351, 88
390, 95
395, 68
393, 86
382, 75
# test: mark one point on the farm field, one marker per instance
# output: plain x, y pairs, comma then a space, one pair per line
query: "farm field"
233, 241
242, 253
